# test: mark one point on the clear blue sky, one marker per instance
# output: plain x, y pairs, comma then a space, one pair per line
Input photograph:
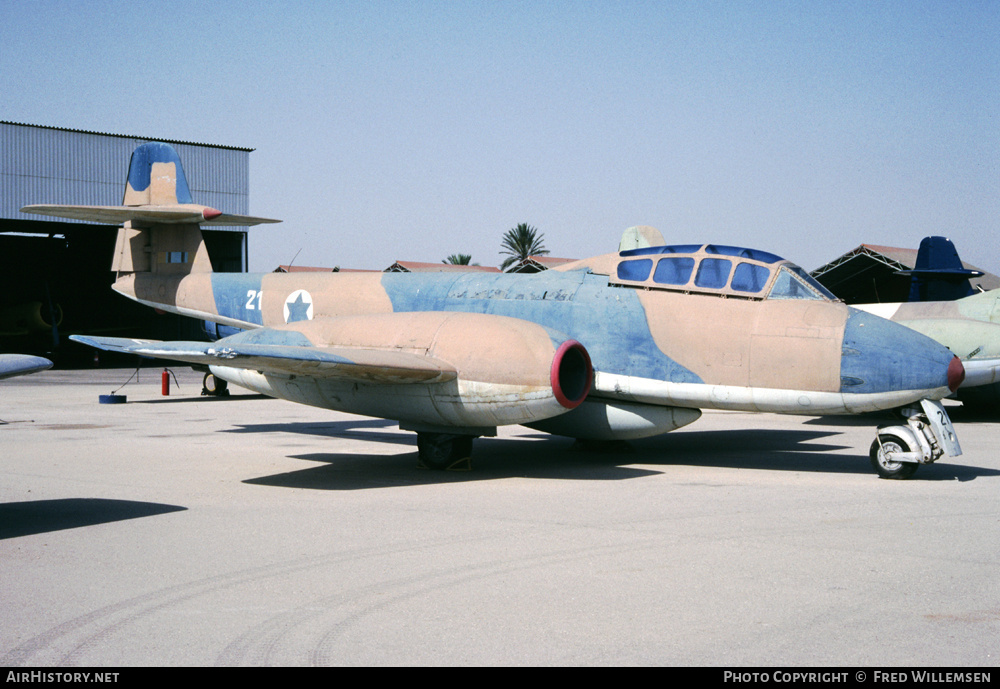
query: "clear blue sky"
413, 130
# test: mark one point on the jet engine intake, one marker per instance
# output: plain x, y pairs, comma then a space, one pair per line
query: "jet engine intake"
571, 374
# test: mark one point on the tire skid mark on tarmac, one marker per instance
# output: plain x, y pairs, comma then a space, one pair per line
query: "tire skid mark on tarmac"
268, 642
68, 644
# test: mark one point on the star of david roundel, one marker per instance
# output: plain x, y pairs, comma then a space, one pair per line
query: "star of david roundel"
298, 306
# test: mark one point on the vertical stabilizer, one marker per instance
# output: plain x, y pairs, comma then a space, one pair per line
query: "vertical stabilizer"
162, 249
939, 274
155, 177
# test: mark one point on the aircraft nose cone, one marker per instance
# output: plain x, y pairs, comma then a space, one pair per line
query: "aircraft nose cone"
884, 357
956, 374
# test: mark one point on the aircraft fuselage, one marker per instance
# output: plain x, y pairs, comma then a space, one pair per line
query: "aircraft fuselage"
657, 345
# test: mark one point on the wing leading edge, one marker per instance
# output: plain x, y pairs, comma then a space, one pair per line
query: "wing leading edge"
351, 364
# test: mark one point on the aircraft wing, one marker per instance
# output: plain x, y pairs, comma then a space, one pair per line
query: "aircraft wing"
20, 364
357, 364
116, 215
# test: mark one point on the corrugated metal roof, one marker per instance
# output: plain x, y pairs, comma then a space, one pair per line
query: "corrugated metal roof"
125, 136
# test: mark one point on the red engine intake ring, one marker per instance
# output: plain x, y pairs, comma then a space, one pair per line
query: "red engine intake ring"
571, 374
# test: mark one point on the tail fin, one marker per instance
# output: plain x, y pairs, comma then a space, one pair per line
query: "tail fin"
161, 232
174, 249
156, 177
939, 274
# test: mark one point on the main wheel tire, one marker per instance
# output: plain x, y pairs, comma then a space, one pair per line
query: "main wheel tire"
885, 467
443, 450
214, 386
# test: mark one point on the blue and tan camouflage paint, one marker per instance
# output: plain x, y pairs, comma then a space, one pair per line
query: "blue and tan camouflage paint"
156, 177
782, 344
969, 327
680, 345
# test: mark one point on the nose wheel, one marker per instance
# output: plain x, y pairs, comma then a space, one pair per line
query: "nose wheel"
883, 448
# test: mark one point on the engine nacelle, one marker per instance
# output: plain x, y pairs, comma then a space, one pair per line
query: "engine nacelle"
495, 370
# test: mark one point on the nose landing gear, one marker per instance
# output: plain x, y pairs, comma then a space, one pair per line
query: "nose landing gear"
927, 436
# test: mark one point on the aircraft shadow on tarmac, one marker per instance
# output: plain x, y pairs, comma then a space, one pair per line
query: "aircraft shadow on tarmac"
549, 457
783, 450
179, 398
361, 429
42, 516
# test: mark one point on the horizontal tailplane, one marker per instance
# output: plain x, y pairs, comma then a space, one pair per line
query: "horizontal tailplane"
160, 230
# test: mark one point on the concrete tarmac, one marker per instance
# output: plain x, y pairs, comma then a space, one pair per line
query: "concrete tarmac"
186, 530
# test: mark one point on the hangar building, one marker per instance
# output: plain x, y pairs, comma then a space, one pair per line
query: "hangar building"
872, 274
55, 277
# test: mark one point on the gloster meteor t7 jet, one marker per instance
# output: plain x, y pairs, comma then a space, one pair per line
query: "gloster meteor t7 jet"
624, 345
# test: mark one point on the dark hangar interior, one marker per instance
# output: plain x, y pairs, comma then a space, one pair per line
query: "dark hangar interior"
55, 275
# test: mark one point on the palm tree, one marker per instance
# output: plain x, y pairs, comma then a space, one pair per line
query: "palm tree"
459, 260
521, 242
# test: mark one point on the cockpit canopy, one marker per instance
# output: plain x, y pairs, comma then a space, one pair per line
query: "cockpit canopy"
716, 269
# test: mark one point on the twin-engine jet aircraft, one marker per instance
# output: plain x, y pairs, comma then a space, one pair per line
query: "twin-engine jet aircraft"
624, 345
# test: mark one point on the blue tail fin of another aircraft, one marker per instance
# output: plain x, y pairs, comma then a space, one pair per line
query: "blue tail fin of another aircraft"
155, 177
939, 274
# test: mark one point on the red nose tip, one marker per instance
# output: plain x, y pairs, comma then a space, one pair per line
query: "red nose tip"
956, 374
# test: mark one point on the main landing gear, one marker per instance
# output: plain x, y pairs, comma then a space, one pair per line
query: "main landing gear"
444, 451
214, 387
